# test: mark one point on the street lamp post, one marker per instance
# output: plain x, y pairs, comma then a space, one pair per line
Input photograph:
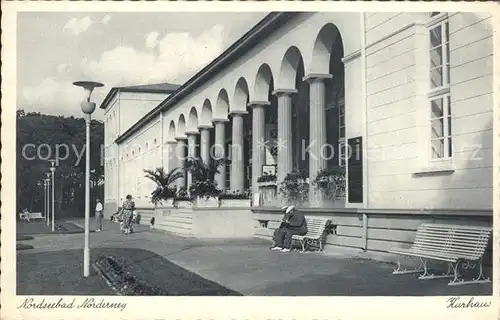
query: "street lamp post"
52, 170
87, 108
47, 180
45, 201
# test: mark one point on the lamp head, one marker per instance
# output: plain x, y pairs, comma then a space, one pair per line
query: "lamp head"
53, 163
48, 176
88, 86
87, 106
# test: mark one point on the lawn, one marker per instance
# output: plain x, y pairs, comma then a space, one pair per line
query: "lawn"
40, 227
60, 273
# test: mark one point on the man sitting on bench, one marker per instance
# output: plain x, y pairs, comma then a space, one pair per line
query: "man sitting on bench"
294, 223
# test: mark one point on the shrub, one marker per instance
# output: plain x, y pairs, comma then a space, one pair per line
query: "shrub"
330, 182
295, 187
203, 189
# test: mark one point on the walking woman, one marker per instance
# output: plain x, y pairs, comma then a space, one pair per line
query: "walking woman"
128, 208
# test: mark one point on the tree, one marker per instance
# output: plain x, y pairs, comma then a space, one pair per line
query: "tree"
37, 137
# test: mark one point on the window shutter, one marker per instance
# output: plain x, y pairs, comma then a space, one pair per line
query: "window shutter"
355, 170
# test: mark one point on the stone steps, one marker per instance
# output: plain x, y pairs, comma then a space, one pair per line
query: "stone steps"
177, 230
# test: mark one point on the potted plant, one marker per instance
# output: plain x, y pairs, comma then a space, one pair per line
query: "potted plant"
295, 188
330, 182
235, 199
182, 199
203, 189
164, 192
267, 188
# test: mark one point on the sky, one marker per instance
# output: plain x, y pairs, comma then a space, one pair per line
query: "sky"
54, 49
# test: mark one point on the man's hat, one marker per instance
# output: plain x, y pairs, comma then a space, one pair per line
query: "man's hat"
289, 208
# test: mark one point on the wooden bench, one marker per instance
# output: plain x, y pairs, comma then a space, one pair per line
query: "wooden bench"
28, 216
457, 245
316, 232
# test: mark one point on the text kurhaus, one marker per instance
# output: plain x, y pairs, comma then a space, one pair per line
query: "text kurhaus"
456, 303
88, 303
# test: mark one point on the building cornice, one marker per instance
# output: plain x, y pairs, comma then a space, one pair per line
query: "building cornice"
111, 94
261, 30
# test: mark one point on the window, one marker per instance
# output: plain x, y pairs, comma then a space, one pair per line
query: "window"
439, 96
439, 55
341, 121
441, 144
342, 145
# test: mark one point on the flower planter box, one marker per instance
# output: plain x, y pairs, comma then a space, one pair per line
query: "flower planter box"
235, 203
267, 184
183, 204
167, 203
210, 202
268, 191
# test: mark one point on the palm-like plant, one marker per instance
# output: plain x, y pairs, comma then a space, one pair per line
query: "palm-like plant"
204, 171
203, 175
163, 180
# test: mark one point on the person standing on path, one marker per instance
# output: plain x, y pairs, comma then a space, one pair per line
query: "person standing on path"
128, 208
98, 215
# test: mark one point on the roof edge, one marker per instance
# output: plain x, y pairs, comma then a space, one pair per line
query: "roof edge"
262, 29
115, 90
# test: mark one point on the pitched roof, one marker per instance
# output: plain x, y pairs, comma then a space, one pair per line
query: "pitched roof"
144, 88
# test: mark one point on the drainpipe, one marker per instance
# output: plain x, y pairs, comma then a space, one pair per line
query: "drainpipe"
364, 106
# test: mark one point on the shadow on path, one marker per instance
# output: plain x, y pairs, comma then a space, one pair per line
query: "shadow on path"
61, 273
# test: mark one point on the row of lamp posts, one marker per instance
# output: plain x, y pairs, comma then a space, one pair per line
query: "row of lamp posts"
47, 183
88, 108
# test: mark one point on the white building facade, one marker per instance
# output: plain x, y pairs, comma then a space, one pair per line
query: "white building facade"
408, 95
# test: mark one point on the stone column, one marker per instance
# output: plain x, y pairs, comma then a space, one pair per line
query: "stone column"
191, 138
205, 143
317, 132
220, 151
285, 146
258, 150
237, 155
181, 160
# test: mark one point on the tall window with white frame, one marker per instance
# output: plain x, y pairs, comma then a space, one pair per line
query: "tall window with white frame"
342, 149
439, 95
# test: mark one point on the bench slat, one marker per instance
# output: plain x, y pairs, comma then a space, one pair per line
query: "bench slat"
441, 242
454, 227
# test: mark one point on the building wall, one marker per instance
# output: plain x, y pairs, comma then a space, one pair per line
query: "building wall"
392, 118
400, 174
111, 163
136, 105
140, 152
124, 163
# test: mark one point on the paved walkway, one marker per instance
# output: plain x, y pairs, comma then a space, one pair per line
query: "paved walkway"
249, 267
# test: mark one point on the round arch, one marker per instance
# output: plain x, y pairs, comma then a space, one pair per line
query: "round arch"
206, 113
222, 105
263, 82
241, 95
181, 126
291, 65
323, 46
193, 120
171, 130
